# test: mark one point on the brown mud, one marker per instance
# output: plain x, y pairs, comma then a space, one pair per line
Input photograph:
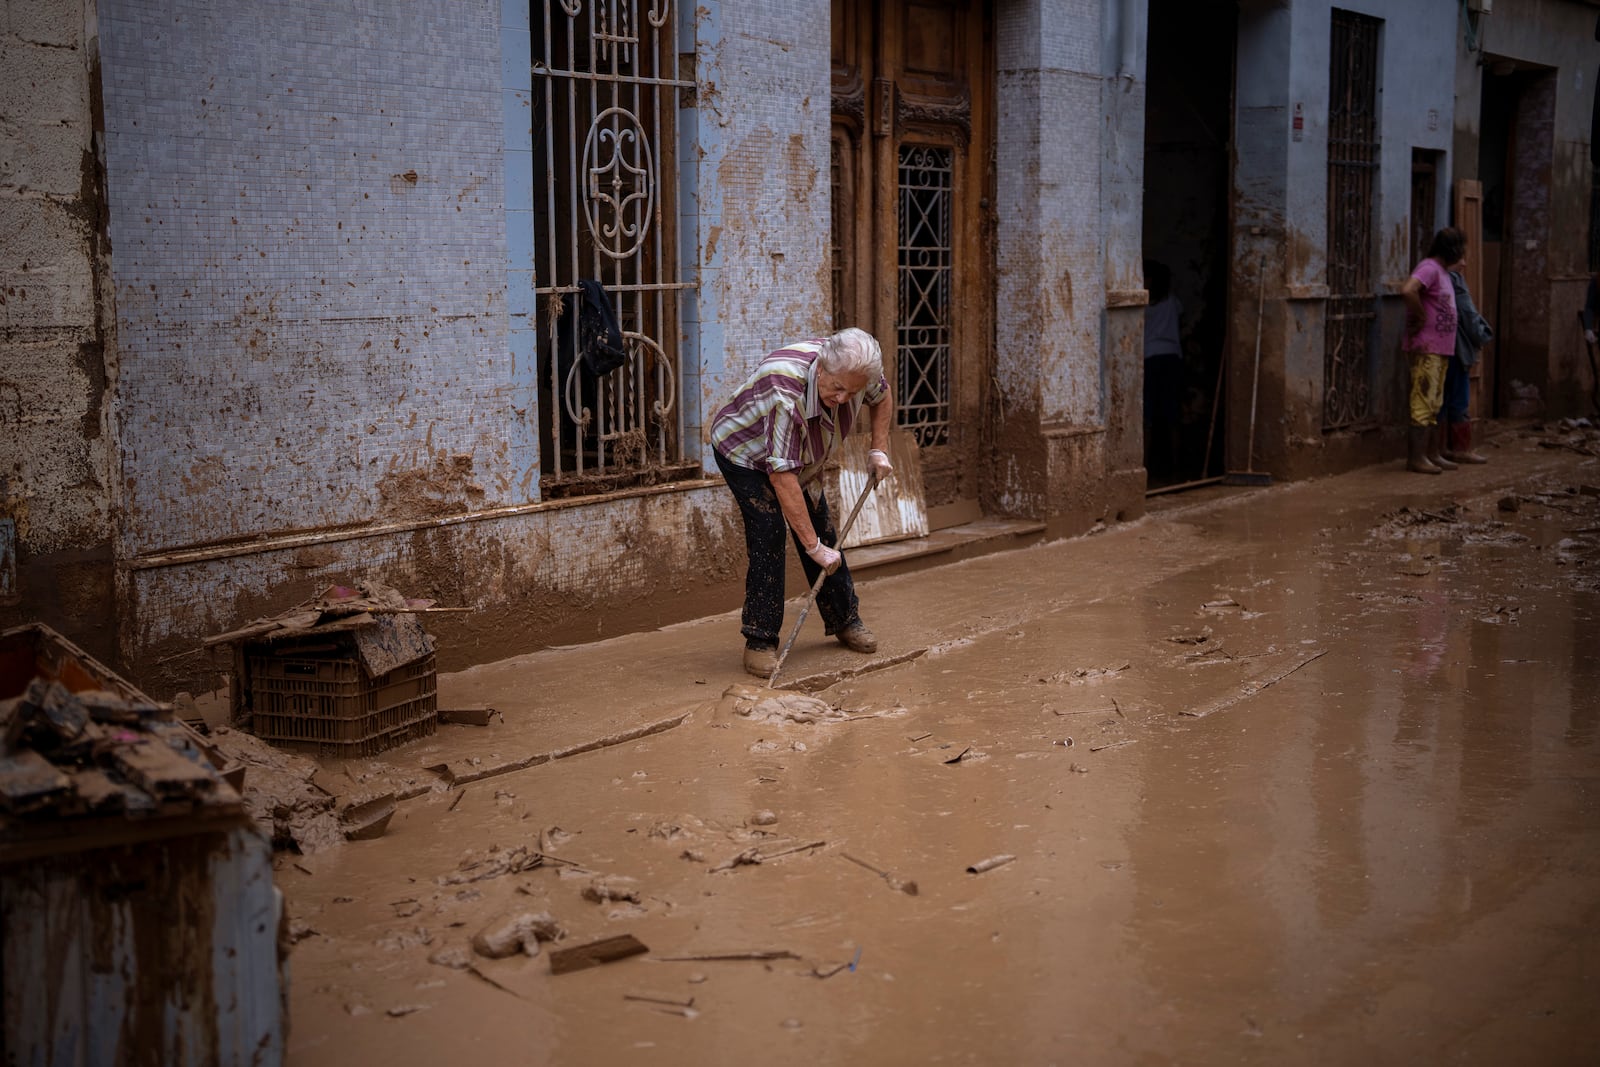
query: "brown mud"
1306, 774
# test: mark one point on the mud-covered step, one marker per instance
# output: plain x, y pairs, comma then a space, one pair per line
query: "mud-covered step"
976, 538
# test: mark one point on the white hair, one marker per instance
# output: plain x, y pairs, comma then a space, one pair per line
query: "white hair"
852, 351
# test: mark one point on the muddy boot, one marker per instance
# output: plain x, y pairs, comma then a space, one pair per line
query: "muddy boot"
1459, 439
760, 660
1417, 450
1435, 452
858, 638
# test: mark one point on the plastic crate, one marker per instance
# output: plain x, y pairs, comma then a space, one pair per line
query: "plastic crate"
329, 704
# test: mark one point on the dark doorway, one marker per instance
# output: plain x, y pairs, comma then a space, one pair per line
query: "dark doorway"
1515, 153
1188, 148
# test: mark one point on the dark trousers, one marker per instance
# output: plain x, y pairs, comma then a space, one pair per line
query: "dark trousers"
764, 529
1457, 392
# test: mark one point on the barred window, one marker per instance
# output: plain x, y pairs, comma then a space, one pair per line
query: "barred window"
605, 177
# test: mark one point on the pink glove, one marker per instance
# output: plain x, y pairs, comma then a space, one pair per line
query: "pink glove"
878, 463
826, 558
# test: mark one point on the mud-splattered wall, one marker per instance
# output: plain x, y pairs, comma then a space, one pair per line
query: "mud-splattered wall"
57, 361
1052, 270
757, 198
306, 201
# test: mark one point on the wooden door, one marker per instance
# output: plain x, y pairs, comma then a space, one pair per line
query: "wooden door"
1483, 264
913, 179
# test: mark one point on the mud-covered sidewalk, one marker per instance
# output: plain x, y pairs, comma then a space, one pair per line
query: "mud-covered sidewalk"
1307, 773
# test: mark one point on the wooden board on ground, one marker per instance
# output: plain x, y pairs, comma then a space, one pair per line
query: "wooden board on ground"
896, 510
608, 950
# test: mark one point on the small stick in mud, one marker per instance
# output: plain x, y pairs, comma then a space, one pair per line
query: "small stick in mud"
647, 999
456, 801
990, 864
903, 885
1113, 744
753, 954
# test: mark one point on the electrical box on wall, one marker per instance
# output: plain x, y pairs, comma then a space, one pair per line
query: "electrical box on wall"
1482, 7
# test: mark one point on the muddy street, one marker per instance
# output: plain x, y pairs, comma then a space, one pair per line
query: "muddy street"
1301, 774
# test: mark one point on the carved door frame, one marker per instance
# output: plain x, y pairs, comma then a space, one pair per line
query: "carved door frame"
913, 233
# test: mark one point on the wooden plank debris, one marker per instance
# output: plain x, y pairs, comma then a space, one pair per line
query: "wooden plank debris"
469, 715
595, 953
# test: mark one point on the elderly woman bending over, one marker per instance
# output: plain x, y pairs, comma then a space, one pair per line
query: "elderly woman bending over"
771, 441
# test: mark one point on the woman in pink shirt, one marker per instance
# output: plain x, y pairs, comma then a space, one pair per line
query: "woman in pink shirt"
1430, 342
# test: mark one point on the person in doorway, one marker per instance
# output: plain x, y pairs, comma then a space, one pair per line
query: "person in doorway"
770, 442
1163, 373
1430, 341
1472, 333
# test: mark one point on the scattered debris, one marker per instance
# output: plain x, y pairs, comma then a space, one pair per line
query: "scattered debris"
647, 998
1113, 744
752, 954
368, 819
759, 704
513, 860
1251, 688
959, 755
405, 1009
595, 953
612, 887
454, 957
1509, 503
990, 864
903, 885
1191, 638
764, 817
757, 854
513, 932
921, 737
473, 715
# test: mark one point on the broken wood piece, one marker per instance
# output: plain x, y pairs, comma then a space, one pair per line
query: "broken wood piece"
369, 819
957, 757
753, 954
646, 998
29, 781
1250, 689
791, 851
922, 737
1113, 744
903, 885
159, 770
470, 715
755, 854
457, 800
595, 953
990, 864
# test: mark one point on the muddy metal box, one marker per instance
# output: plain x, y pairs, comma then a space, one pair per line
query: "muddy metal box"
138, 924
328, 701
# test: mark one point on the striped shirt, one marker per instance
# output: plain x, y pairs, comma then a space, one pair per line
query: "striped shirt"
775, 422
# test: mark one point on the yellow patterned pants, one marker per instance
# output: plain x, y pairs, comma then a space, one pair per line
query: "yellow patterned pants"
1427, 387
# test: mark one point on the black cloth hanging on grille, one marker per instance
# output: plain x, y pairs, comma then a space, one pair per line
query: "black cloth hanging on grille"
599, 339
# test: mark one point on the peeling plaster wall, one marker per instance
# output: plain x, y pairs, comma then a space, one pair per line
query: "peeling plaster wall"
760, 224
1051, 261
57, 360
307, 203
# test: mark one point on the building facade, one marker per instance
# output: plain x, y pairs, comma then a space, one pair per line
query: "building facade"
304, 302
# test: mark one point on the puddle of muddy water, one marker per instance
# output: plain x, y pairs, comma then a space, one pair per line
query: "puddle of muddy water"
1395, 846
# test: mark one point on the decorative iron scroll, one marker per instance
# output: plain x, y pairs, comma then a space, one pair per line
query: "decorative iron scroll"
606, 87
